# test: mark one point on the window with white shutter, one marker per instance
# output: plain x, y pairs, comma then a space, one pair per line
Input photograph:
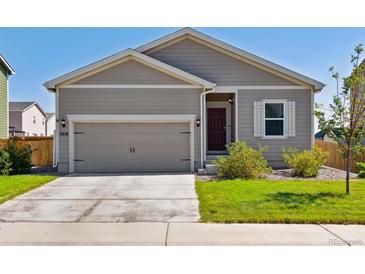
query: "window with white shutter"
274, 118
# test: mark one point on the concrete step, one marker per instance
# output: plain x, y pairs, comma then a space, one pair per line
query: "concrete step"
211, 169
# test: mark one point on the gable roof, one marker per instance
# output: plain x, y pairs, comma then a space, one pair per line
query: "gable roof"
23, 106
6, 65
20, 106
51, 85
49, 114
239, 52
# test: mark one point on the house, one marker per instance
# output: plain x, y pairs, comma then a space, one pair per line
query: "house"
16, 132
5, 71
175, 103
50, 123
27, 117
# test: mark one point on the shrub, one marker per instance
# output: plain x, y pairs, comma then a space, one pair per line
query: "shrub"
242, 162
361, 167
5, 164
305, 163
18, 159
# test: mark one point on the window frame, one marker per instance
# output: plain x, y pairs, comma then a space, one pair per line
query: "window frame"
275, 101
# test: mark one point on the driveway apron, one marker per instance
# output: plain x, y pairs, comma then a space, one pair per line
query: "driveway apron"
108, 198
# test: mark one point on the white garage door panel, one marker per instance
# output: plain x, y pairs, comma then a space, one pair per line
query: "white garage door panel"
158, 147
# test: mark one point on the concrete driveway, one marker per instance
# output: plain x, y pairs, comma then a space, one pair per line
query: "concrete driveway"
108, 198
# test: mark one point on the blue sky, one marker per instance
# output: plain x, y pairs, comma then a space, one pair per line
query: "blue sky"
40, 54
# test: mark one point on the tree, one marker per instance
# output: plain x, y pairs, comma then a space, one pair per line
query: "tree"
346, 121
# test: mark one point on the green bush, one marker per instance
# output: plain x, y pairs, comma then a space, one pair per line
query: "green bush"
5, 164
361, 167
15, 159
242, 162
305, 163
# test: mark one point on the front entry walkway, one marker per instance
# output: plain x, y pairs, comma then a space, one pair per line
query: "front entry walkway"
108, 198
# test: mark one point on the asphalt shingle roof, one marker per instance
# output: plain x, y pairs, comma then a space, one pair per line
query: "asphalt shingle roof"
19, 106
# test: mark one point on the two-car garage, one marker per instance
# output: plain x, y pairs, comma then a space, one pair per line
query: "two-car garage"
158, 143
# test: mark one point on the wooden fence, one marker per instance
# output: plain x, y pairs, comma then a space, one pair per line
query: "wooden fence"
42, 149
334, 156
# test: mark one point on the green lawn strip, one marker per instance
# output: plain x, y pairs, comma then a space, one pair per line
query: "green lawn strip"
263, 201
11, 186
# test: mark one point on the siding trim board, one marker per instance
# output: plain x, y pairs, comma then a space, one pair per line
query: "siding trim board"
132, 86
163, 118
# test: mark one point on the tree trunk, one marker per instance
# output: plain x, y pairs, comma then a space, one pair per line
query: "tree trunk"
348, 168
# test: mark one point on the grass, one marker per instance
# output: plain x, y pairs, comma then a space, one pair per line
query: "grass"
263, 201
11, 186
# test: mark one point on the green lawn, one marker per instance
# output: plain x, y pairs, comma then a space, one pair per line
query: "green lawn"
11, 186
263, 201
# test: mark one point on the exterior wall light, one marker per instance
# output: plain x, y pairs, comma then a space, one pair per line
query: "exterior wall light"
198, 122
63, 123
230, 100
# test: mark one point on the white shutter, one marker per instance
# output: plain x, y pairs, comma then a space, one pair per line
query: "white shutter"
258, 119
290, 119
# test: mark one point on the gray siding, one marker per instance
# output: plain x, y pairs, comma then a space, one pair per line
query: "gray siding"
126, 101
302, 98
215, 66
15, 119
131, 73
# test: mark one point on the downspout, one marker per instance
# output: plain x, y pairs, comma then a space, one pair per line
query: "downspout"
203, 123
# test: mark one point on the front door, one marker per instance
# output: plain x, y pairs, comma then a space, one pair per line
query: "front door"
216, 128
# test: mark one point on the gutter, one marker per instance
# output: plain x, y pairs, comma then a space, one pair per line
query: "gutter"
203, 123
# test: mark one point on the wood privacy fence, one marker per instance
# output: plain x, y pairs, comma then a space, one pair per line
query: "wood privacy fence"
42, 149
334, 156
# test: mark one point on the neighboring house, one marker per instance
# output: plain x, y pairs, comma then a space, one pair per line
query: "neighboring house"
50, 123
171, 104
16, 132
5, 71
28, 117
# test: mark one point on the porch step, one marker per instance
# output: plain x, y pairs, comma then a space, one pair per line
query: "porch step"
211, 169
211, 158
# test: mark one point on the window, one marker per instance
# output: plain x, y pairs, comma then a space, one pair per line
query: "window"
34, 120
274, 119
43, 121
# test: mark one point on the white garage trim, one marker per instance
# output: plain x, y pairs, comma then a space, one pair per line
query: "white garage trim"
163, 118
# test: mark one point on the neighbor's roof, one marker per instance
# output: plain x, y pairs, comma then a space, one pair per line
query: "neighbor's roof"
23, 106
20, 106
51, 85
49, 114
6, 65
239, 52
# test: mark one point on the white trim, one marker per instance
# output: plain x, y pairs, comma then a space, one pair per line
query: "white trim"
312, 119
125, 118
57, 130
8, 112
7, 66
236, 116
122, 118
226, 88
239, 52
133, 86
228, 107
275, 101
124, 54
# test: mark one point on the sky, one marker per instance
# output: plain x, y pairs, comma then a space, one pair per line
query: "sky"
40, 54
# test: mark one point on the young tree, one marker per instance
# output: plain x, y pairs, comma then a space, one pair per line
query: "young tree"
346, 121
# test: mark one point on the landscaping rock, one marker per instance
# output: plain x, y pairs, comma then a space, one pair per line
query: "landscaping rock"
325, 173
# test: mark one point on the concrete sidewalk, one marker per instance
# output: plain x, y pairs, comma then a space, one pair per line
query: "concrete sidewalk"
53, 233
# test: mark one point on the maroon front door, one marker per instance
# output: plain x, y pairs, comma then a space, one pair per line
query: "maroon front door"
216, 128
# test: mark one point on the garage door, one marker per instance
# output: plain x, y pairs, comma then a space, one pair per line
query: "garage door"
132, 147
